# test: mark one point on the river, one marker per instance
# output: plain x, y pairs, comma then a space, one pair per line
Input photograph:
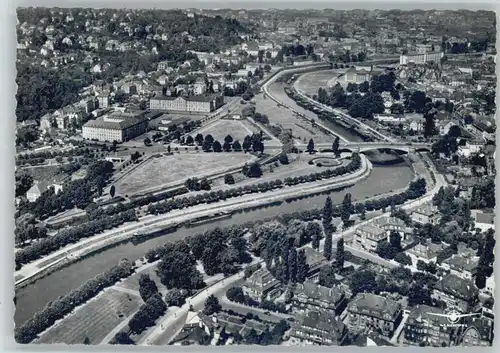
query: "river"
35, 296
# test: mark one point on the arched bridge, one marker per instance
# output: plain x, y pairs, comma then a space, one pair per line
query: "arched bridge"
370, 146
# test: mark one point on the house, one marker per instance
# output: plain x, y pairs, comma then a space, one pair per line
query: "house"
130, 88
319, 328
458, 293
310, 296
415, 123
424, 252
479, 332
315, 261
392, 224
198, 329
369, 236
426, 214
371, 311
162, 80
444, 126
460, 265
40, 187
422, 326
357, 76
262, 285
484, 220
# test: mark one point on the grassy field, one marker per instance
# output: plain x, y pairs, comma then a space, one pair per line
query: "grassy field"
310, 83
284, 118
132, 282
167, 170
108, 310
238, 129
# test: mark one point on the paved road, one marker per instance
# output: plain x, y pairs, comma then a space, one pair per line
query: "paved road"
171, 324
245, 309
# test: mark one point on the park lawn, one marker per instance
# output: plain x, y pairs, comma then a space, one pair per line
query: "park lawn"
174, 169
94, 320
310, 83
132, 282
284, 118
238, 129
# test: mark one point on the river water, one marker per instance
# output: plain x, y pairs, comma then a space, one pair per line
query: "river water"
35, 296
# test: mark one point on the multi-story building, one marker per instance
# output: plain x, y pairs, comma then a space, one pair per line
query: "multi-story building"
459, 294
104, 100
420, 58
371, 311
461, 266
426, 214
479, 332
422, 326
315, 261
319, 328
191, 104
424, 252
311, 296
262, 285
115, 127
357, 76
369, 236
392, 224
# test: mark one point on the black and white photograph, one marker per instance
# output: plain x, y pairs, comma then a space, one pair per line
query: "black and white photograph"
267, 177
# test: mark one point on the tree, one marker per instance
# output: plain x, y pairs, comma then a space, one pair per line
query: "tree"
86, 341
147, 141
313, 231
228, 139
429, 125
123, 338
228, 179
292, 265
310, 146
283, 159
327, 250
302, 267
217, 146
235, 294
395, 241
189, 140
364, 281
147, 287
340, 254
327, 214
419, 294
169, 149
212, 305
207, 145
347, 208
175, 297
112, 191
335, 146
236, 146
327, 276
199, 139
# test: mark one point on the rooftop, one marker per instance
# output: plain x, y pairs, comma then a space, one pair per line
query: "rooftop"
457, 287
315, 291
321, 325
461, 263
198, 98
375, 305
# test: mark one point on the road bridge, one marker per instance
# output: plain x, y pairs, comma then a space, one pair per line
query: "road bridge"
370, 146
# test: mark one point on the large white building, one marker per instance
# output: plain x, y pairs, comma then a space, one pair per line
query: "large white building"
191, 104
115, 127
420, 58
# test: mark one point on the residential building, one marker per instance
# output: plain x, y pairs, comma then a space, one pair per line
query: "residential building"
192, 104
393, 224
262, 285
369, 236
115, 127
479, 332
421, 58
426, 214
484, 220
319, 328
104, 100
371, 311
424, 252
445, 126
315, 261
357, 76
461, 266
198, 329
39, 187
415, 123
310, 296
422, 326
458, 293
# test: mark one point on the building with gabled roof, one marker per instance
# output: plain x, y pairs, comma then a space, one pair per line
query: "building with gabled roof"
458, 293
371, 311
319, 328
262, 285
479, 332
422, 326
311, 296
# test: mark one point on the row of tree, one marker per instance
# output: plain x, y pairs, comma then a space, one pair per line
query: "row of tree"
251, 171
57, 309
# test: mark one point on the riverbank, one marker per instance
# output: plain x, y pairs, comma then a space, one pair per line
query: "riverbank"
246, 202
